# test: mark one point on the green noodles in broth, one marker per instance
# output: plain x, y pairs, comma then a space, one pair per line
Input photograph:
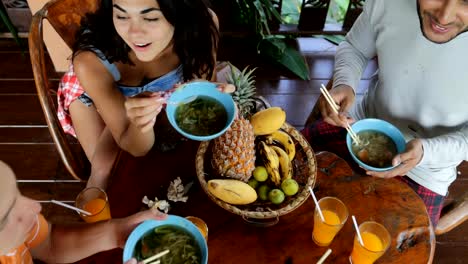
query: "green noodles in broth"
203, 117
183, 247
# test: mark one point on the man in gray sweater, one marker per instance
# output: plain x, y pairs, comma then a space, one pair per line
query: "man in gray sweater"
421, 87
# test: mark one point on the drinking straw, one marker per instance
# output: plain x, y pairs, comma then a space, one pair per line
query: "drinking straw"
316, 204
325, 256
160, 254
71, 207
357, 231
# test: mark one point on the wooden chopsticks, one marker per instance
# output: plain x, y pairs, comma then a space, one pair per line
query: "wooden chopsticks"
151, 259
335, 108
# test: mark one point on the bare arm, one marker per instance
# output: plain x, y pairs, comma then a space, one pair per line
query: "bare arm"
67, 244
99, 84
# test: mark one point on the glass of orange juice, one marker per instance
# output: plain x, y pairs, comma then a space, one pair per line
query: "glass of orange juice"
200, 224
376, 241
93, 200
335, 215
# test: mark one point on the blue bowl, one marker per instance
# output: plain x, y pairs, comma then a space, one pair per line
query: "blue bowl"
149, 225
379, 126
206, 89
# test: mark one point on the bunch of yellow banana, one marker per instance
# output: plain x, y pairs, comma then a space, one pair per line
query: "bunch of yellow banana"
271, 162
278, 161
285, 140
286, 166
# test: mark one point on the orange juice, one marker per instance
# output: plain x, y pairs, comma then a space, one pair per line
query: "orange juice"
372, 250
99, 208
38, 233
324, 232
200, 224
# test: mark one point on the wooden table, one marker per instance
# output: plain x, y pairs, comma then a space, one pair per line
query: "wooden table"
232, 240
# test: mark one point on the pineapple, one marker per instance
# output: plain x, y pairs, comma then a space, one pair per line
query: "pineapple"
245, 84
234, 151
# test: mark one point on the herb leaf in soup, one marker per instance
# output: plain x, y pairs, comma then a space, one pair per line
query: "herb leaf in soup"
201, 117
183, 249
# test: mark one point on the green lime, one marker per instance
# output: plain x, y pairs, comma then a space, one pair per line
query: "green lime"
276, 196
260, 173
253, 183
262, 192
290, 187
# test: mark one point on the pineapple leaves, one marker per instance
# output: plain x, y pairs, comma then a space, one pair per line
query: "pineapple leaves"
245, 89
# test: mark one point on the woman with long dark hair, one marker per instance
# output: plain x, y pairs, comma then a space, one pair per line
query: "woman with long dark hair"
127, 56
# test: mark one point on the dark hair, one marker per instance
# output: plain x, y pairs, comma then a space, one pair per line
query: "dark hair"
195, 35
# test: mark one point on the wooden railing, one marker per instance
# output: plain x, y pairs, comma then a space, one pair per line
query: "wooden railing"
311, 21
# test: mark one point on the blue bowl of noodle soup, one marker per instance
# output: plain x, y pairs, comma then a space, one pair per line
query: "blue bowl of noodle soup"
381, 142
205, 118
174, 233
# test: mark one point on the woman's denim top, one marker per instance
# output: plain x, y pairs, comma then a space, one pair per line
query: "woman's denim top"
162, 83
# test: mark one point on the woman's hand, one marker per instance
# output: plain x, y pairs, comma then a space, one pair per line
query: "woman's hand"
405, 161
124, 226
133, 261
142, 110
226, 87
343, 95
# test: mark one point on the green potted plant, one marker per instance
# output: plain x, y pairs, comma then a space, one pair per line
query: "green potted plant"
257, 18
259, 15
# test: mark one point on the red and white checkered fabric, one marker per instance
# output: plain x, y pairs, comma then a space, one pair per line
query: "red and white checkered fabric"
68, 91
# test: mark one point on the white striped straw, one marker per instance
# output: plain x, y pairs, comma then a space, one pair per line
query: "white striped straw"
357, 231
325, 256
316, 204
71, 207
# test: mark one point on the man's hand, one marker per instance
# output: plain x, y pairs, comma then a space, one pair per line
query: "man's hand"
124, 226
343, 95
405, 161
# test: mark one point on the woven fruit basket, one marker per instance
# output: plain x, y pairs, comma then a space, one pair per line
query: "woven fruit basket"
304, 172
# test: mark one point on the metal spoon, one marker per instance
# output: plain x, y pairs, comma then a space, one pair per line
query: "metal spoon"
185, 101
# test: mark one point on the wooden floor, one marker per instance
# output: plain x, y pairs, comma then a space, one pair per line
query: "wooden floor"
25, 143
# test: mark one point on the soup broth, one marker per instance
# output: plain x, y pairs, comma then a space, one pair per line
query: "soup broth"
202, 117
183, 249
376, 149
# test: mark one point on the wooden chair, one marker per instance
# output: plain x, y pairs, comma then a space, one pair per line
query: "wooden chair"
453, 214
65, 17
